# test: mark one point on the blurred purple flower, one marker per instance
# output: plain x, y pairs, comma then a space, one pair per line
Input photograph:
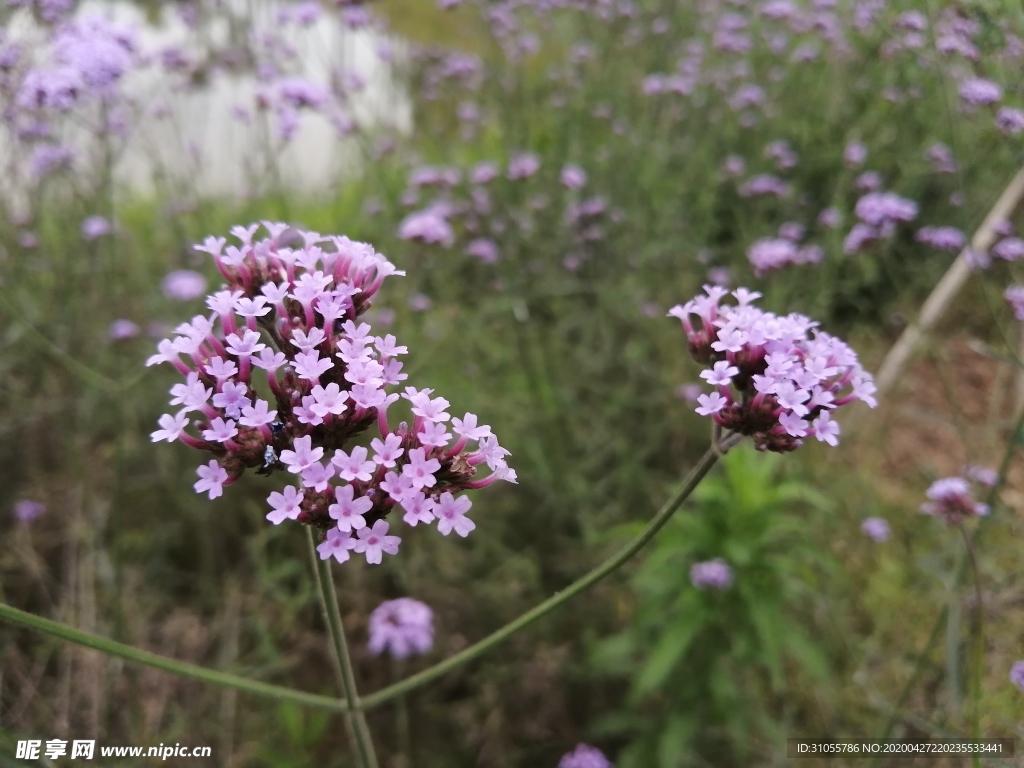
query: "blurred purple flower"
26, 510
711, 574
584, 756
876, 529
122, 329
573, 177
978, 91
183, 285
523, 165
94, 227
1017, 674
404, 627
951, 499
427, 226
484, 249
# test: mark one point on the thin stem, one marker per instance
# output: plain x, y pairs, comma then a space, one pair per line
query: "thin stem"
582, 584
1004, 466
979, 640
363, 743
56, 629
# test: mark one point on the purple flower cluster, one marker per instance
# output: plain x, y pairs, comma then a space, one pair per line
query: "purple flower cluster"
1017, 674
773, 381
879, 214
402, 627
942, 238
1014, 296
584, 756
711, 574
291, 309
952, 499
770, 253
876, 529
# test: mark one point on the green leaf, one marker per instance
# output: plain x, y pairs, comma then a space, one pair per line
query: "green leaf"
667, 653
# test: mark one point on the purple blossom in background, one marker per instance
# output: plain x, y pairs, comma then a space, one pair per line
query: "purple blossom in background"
941, 158
830, 218
1014, 296
484, 173
876, 529
523, 166
978, 91
773, 380
183, 285
584, 756
573, 177
26, 510
868, 181
773, 253
689, 392
122, 329
719, 276
764, 184
1017, 674
982, 475
711, 574
282, 375
427, 226
94, 227
855, 154
420, 302
403, 627
1009, 249
943, 238
484, 249
1010, 120
951, 499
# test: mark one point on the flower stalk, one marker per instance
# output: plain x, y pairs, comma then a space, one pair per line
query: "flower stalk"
355, 717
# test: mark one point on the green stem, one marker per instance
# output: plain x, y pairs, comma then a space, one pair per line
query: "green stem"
606, 568
363, 743
1004, 467
181, 669
979, 642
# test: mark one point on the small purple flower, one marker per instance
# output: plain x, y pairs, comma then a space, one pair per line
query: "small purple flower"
711, 574
27, 511
484, 249
943, 238
1010, 120
1017, 674
951, 499
1014, 296
95, 226
122, 329
584, 756
427, 226
573, 177
403, 627
977, 91
183, 285
876, 529
523, 166
855, 154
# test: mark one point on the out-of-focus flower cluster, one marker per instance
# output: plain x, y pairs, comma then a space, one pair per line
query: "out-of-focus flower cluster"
952, 499
403, 627
283, 377
711, 574
584, 756
773, 380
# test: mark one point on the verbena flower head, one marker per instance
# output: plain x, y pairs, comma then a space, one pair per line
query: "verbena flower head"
27, 510
876, 529
711, 574
403, 627
951, 498
584, 756
282, 377
775, 378
183, 285
1017, 674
